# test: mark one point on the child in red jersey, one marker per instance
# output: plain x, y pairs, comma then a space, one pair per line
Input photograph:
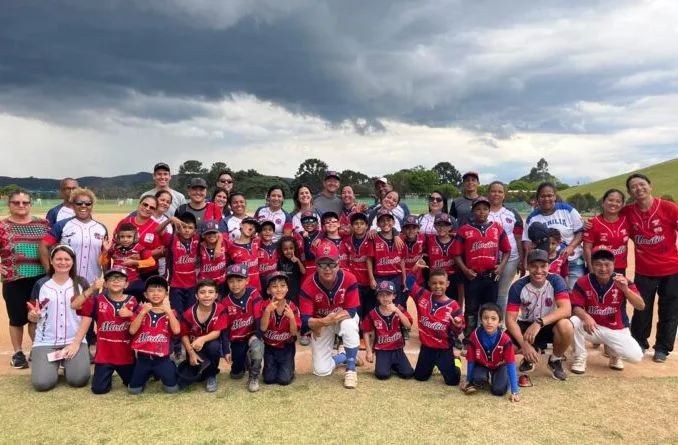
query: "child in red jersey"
129, 253
440, 321
309, 221
241, 338
414, 246
480, 250
491, 356
438, 250
387, 262
558, 263
382, 331
212, 258
359, 248
280, 323
152, 328
330, 227
267, 252
245, 250
111, 311
201, 327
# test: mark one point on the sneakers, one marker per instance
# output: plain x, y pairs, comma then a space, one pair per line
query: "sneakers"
526, 366
253, 385
659, 356
211, 385
305, 340
556, 367
350, 379
616, 363
524, 381
578, 364
18, 361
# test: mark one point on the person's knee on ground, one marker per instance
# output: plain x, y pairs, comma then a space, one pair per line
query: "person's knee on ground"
499, 391
563, 334
45, 384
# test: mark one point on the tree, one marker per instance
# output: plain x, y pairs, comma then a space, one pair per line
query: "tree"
187, 170
447, 174
312, 173
421, 180
583, 203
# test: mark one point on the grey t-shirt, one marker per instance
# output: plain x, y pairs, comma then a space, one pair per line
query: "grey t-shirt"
461, 209
324, 204
177, 200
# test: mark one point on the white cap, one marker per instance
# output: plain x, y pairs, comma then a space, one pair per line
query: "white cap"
382, 179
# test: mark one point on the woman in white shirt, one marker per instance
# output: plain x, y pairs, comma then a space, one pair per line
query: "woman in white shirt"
437, 204
59, 336
275, 197
303, 201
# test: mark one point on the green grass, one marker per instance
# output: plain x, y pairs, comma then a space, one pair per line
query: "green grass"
664, 177
319, 411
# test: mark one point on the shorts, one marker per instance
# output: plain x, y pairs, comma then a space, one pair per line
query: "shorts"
16, 294
544, 337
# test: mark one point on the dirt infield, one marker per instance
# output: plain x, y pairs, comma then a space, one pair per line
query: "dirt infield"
597, 364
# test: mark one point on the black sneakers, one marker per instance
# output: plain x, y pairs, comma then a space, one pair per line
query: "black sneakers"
526, 366
557, 371
18, 361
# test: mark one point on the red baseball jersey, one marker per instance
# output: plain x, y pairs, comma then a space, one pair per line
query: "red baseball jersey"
318, 301
241, 313
119, 255
345, 221
278, 333
387, 257
414, 249
480, 245
305, 244
435, 319
268, 259
358, 250
504, 352
216, 321
146, 232
439, 254
559, 266
341, 247
387, 333
154, 335
114, 342
614, 235
654, 235
247, 254
606, 304
212, 266
182, 258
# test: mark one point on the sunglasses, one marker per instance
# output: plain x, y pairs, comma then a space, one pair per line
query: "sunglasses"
82, 203
20, 203
225, 181
327, 266
435, 199
147, 206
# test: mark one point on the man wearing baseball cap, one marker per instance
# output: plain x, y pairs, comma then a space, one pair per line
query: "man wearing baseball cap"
161, 178
538, 313
461, 206
327, 200
198, 204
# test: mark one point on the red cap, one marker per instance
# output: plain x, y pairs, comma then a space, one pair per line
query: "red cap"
327, 250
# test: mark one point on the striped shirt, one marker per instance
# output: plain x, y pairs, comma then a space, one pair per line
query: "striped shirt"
19, 248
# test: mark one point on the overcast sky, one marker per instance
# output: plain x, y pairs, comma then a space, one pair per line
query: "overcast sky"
110, 87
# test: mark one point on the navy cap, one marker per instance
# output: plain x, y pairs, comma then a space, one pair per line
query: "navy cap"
471, 173
237, 270
383, 212
480, 200
538, 234
411, 220
332, 174
358, 216
276, 275
210, 226
308, 215
156, 280
115, 270
264, 222
197, 182
537, 255
442, 218
161, 166
386, 286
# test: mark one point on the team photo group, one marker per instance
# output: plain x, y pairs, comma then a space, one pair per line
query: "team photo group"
193, 277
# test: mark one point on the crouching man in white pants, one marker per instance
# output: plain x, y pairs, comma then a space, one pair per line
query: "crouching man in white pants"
599, 306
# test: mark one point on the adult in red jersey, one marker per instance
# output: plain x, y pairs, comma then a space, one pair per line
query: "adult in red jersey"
654, 223
610, 229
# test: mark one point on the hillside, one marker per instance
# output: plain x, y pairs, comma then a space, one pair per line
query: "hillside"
52, 185
664, 178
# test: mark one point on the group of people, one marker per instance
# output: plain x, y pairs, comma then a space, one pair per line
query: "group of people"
181, 284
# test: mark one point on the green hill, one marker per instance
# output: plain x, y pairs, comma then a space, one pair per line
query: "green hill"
664, 177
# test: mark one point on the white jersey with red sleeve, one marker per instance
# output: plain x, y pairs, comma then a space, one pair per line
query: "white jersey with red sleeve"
512, 223
435, 319
606, 304
654, 234
194, 328
533, 302
317, 301
242, 313
614, 235
387, 333
278, 333
154, 335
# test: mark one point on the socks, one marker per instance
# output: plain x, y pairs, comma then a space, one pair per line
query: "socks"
553, 358
351, 354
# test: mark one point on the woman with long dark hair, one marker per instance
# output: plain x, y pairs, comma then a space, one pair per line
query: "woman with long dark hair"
611, 229
437, 204
273, 211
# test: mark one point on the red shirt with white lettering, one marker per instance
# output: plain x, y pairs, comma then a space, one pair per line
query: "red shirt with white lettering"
358, 250
212, 266
193, 328
154, 335
654, 235
414, 249
606, 304
480, 245
435, 319
439, 254
387, 333
387, 257
278, 333
317, 301
614, 235
503, 352
241, 313
305, 244
247, 254
114, 342
182, 258
268, 259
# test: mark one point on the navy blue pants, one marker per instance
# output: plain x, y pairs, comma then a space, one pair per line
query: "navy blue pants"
388, 361
147, 365
181, 299
368, 300
498, 378
443, 359
483, 289
279, 364
397, 280
210, 354
242, 358
103, 376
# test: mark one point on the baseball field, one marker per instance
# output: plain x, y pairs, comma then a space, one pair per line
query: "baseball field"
637, 405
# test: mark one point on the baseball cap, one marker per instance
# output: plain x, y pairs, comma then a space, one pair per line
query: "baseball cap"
358, 216
411, 220
383, 212
115, 270
537, 255
250, 220
480, 200
156, 280
386, 286
197, 182
264, 222
471, 173
160, 166
308, 216
327, 251
442, 218
329, 214
275, 275
382, 179
332, 174
210, 227
236, 270
538, 234
602, 252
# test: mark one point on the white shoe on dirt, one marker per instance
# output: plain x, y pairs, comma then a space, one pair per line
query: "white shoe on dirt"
616, 363
350, 379
578, 364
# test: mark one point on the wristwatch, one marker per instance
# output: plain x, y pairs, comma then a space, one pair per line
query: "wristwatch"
539, 321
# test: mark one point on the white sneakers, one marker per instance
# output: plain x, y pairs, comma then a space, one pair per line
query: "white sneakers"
616, 363
578, 364
350, 379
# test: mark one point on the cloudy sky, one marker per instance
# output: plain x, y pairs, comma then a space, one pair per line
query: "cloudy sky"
110, 87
